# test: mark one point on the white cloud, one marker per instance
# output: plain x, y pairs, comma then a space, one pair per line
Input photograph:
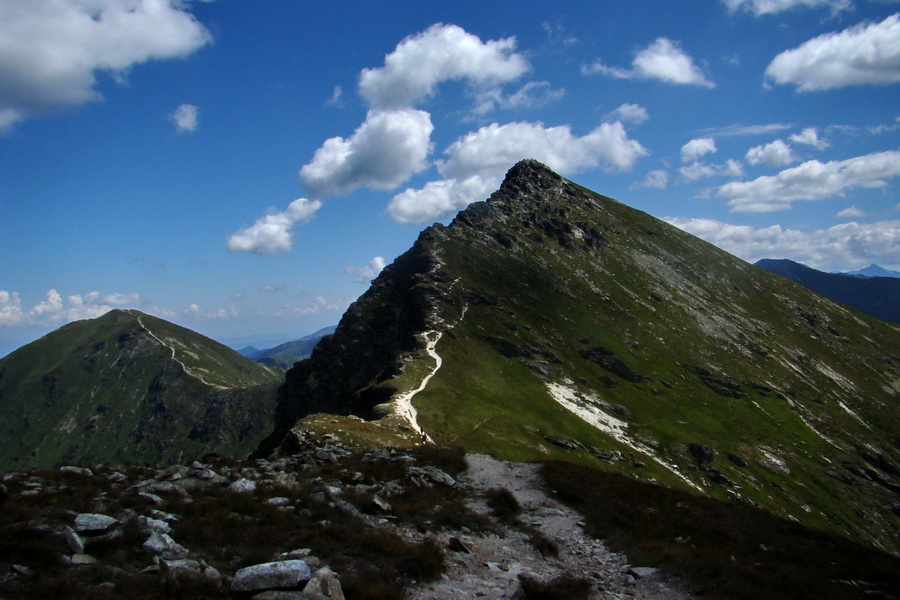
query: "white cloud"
185, 118
810, 137
382, 153
738, 130
268, 288
769, 7
438, 199
701, 170
336, 95
843, 246
533, 94
629, 113
366, 273
52, 50
696, 148
812, 180
663, 60
852, 212
274, 232
657, 179
478, 160
774, 154
440, 53
316, 306
53, 310
229, 312
867, 54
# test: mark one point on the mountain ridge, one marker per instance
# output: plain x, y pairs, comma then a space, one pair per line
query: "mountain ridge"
129, 386
571, 326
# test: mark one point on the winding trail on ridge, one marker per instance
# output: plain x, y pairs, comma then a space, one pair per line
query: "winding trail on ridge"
403, 403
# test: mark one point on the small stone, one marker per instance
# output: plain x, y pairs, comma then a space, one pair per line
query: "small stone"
149, 525
76, 470
83, 559
287, 574
94, 523
242, 486
162, 543
73, 540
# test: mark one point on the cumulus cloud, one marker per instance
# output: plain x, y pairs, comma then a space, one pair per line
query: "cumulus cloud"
841, 247
629, 113
867, 54
769, 7
51, 51
657, 179
696, 148
478, 160
812, 180
810, 137
773, 154
366, 273
273, 232
54, 310
663, 60
382, 153
185, 118
440, 53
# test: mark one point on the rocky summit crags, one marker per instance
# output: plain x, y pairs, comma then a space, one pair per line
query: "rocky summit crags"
552, 322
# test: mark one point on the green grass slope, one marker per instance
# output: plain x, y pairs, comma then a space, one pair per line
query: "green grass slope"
575, 327
129, 387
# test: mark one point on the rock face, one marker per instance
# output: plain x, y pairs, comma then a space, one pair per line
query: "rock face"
128, 386
549, 312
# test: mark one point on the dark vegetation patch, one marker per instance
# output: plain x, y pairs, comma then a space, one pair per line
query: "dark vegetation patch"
320, 508
563, 587
723, 550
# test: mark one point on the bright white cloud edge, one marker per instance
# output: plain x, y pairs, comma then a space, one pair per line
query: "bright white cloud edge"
866, 54
842, 247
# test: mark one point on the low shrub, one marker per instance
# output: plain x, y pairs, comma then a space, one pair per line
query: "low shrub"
563, 587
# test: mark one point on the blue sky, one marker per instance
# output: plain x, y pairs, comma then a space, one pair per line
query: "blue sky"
244, 168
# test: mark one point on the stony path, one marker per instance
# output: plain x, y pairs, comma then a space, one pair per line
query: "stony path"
492, 568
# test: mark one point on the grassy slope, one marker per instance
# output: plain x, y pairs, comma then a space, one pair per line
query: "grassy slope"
104, 390
702, 308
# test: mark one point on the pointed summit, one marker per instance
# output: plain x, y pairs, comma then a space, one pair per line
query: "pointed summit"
552, 322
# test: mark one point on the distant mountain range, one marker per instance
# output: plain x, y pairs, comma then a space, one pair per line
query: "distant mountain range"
874, 270
129, 387
877, 295
285, 355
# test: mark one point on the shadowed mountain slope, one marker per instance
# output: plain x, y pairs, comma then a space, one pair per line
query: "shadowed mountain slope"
552, 322
129, 387
877, 296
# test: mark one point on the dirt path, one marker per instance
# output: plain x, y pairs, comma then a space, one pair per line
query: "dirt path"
492, 567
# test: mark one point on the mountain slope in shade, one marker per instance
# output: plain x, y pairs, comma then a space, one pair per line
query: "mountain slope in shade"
552, 322
877, 296
285, 355
129, 387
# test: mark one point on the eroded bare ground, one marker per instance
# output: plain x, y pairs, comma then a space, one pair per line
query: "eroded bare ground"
490, 566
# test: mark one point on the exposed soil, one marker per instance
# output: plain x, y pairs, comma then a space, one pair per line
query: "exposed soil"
492, 567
